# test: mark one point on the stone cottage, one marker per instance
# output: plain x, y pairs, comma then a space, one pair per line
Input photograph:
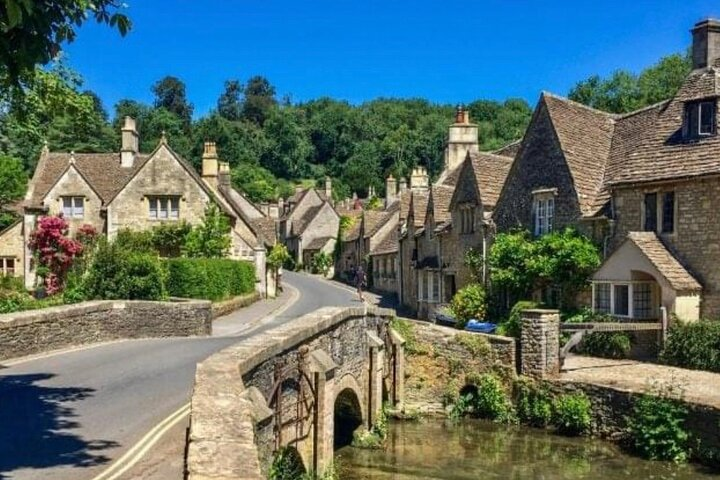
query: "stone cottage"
123, 190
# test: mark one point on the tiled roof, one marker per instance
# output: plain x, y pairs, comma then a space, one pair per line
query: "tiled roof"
668, 266
441, 197
373, 220
490, 173
450, 177
318, 243
509, 150
419, 207
351, 234
585, 136
101, 170
302, 223
265, 228
660, 152
388, 245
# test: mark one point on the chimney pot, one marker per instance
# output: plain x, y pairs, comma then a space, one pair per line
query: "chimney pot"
210, 166
706, 43
130, 143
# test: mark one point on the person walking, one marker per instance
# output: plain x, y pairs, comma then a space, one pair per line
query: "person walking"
360, 281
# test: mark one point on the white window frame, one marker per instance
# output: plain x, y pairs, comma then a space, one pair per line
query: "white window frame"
166, 207
4, 266
543, 211
73, 206
631, 296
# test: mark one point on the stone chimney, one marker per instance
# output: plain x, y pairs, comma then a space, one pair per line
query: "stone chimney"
403, 185
462, 139
419, 180
328, 188
390, 190
210, 164
706, 43
130, 143
281, 205
273, 211
224, 174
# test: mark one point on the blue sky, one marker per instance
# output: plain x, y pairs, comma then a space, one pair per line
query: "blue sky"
362, 49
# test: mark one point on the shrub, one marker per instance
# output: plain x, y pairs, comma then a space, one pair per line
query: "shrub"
513, 325
209, 278
533, 403
116, 273
469, 303
54, 251
657, 427
492, 401
321, 263
211, 239
601, 344
572, 414
693, 345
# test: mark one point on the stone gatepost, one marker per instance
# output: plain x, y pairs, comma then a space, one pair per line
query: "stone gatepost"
397, 376
322, 370
377, 364
540, 343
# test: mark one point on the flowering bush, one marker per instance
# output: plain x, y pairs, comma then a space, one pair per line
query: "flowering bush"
55, 251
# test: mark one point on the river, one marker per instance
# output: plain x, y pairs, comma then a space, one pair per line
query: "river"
475, 449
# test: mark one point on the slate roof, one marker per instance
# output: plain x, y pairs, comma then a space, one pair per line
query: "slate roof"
265, 228
388, 245
441, 197
302, 223
318, 243
102, 171
491, 170
373, 219
509, 150
419, 206
666, 263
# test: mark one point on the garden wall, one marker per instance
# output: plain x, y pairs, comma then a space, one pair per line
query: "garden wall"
225, 307
37, 331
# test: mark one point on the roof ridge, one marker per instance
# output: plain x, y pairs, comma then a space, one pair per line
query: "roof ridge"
623, 116
611, 116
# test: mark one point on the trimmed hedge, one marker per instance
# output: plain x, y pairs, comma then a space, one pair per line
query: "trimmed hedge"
209, 278
693, 345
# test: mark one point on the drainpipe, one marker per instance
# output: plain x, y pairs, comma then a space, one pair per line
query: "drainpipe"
611, 230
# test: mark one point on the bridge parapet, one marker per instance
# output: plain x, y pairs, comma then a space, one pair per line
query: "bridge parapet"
280, 389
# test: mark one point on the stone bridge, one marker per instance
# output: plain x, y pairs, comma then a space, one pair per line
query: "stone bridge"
301, 388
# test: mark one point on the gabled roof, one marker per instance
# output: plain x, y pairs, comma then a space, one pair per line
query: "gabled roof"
418, 207
352, 233
266, 229
302, 223
102, 171
664, 261
439, 201
585, 137
509, 150
490, 173
372, 221
318, 243
387, 245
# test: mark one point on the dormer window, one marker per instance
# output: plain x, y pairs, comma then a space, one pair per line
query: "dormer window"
700, 119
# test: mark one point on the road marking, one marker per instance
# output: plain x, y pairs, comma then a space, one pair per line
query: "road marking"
133, 456
271, 315
141, 448
63, 351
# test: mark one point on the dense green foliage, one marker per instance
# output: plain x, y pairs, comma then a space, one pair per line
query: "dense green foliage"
209, 278
512, 327
601, 344
533, 403
572, 413
13, 180
559, 261
166, 239
119, 273
693, 345
34, 31
487, 399
625, 92
469, 303
657, 426
210, 239
14, 297
321, 263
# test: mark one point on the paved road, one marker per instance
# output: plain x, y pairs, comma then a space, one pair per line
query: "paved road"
69, 416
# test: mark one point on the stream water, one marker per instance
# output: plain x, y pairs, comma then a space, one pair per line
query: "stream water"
474, 449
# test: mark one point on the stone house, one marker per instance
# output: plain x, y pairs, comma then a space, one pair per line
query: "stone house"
349, 251
309, 222
125, 190
408, 248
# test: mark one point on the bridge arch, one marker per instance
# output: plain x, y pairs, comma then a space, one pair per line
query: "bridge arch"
347, 417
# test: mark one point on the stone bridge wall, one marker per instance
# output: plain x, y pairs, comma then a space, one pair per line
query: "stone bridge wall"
37, 331
233, 432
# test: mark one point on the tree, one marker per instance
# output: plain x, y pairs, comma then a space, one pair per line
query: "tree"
54, 252
34, 30
170, 94
259, 100
277, 257
210, 239
12, 187
289, 148
258, 184
229, 104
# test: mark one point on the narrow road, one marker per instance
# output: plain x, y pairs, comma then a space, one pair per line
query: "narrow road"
68, 416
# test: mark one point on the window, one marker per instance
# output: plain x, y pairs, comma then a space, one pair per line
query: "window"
650, 212
642, 300
544, 213
699, 119
622, 300
421, 287
429, 294
164, 208
436, 287
602, 298
467, 219
7, 266
659, 211
73, 207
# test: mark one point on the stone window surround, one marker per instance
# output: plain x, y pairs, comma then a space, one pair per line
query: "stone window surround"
655, 295
659, 211
542, 196
5, 269
75, 207
467, 218
167, 200
693, 117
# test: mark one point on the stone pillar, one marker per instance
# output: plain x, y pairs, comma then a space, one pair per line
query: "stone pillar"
397, 376
261, 271
322, 370
540, 343
377, 362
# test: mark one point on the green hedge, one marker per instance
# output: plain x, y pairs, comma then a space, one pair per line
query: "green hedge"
693, 345
209, 278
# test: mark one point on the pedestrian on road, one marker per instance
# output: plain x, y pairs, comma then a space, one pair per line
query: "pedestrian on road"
360, 281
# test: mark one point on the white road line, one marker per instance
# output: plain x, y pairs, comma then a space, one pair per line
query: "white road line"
272, 315
133, 456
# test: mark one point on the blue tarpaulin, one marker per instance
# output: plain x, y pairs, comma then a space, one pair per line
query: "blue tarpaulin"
482, 327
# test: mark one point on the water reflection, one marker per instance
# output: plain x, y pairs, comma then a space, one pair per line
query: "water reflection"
477, 449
